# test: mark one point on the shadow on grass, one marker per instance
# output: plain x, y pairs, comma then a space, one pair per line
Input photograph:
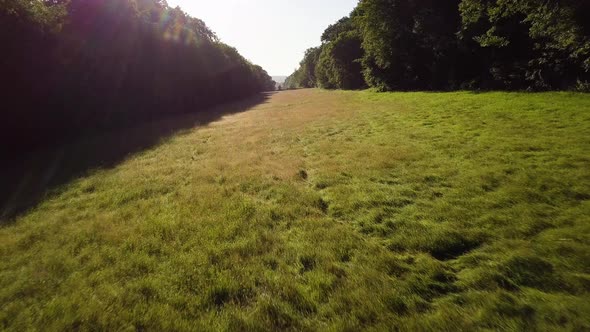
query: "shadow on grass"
25, 181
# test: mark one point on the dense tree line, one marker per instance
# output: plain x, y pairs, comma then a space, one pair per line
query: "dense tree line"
453, 44
73, 65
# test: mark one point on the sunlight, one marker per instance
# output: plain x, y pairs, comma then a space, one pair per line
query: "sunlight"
273, 34
294, 165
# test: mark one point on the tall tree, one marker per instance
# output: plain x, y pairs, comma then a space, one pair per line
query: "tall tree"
80, 65
339, 65
305, 75
530, 43
409, 44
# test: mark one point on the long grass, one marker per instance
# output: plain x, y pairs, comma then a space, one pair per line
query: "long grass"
323, 211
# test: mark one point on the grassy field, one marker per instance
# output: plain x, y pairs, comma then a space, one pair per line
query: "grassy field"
318, 210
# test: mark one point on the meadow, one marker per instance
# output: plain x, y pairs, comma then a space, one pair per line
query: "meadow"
318, 210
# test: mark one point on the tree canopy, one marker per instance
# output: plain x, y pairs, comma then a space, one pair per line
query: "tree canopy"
455, 44
73, 65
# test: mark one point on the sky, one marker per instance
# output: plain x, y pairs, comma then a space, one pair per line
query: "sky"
271, 33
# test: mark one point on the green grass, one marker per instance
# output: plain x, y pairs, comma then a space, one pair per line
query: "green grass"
323, 211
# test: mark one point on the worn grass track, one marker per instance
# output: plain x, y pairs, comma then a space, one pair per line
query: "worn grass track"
322, 210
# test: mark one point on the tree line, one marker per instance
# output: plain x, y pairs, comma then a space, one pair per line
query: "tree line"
70, 66
453, 44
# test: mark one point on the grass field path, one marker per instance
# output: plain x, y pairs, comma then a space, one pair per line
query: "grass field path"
318, 210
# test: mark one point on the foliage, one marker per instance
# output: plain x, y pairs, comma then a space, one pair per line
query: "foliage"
532, 43
78, 65
336, 63
392, 211
469, 44
339, 64
305, 75
332, 33
408, 44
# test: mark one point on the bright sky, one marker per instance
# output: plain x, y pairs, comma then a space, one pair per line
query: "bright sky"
270, 33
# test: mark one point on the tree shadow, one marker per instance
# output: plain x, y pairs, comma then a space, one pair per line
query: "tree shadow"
27, 180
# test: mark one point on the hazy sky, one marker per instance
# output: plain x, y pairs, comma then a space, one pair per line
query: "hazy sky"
270, 33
